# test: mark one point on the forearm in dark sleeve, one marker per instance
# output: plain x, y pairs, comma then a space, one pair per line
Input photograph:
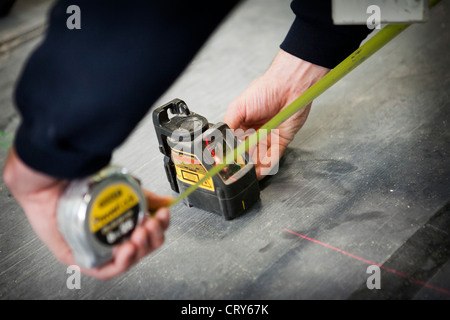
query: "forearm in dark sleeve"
313, 36
82, 92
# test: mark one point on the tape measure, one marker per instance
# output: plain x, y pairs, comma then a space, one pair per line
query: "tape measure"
98, 212
191, 147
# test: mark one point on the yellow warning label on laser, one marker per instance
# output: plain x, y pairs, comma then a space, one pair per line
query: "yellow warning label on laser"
190, 170
112, 202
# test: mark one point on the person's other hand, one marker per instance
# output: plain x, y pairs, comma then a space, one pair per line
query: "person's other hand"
38, 196
283, 82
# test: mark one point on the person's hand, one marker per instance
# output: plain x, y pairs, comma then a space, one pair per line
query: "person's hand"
284, 81
38, 196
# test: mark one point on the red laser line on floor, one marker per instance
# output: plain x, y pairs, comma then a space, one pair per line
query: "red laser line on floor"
425, 284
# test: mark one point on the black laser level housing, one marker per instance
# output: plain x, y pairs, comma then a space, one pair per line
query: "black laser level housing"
191, 147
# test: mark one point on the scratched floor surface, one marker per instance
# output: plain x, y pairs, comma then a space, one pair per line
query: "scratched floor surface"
365, 182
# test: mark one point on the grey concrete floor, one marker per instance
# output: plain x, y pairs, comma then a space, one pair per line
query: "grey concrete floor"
365, 182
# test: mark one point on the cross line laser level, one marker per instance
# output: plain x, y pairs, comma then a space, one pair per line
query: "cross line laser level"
191, 147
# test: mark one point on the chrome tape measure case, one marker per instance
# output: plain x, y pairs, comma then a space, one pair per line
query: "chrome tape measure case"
192, 146
98, 212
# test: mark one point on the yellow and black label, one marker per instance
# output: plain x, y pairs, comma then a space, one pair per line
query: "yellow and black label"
190, 170
114, 213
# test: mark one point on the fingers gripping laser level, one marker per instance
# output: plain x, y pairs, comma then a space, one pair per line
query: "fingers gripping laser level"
191, 147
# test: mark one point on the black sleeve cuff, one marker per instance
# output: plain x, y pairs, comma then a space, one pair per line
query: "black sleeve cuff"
314, 38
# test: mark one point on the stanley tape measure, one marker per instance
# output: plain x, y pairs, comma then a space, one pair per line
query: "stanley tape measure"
99, 211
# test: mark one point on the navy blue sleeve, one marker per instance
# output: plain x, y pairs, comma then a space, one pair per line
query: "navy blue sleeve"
314, 38
83, 91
